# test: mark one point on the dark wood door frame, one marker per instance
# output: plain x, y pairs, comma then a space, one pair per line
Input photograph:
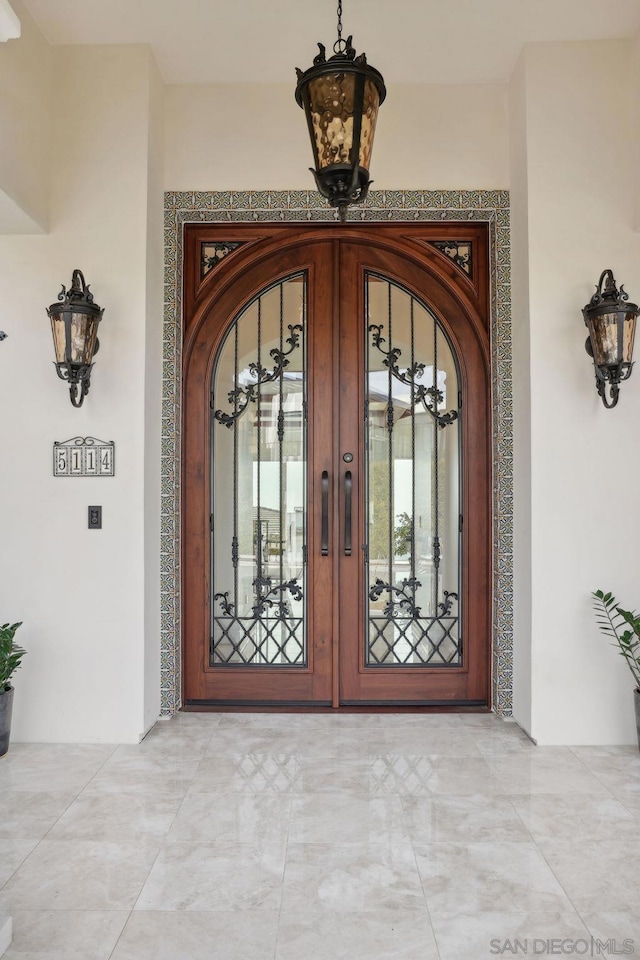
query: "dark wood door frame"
400, 248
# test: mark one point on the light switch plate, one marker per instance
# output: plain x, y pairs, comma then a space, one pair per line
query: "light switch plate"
95, 518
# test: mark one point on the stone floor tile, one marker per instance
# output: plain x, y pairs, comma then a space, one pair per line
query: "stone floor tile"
116, 816
358, 877
226, 815
252, 773
469, 817
80, 875
507, 934
30, 814
471, 878
65, 934
384, 935
423, 776
57, 768
191, 935
237, 740
575, 816
616, 932
342, 817
544, 770
12, 854
598, 875
216, 877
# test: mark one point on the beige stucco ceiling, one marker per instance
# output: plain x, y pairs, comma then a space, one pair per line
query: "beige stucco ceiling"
410, 41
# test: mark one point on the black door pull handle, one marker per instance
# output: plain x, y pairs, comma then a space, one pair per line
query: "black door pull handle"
348, 486
325, 514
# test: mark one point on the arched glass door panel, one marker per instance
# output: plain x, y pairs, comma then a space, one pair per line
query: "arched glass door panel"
259, 483
412, 483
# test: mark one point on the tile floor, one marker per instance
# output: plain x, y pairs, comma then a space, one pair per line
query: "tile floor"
300, 837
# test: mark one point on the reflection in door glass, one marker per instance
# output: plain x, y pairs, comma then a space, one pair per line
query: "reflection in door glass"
412, 484
258, 483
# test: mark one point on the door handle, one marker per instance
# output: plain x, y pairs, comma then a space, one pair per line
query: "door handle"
325, 514
348, 486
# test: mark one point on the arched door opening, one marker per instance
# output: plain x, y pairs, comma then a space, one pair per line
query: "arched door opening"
336, 466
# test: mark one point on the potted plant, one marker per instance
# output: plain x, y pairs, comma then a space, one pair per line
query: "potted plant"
10, 656
624, 626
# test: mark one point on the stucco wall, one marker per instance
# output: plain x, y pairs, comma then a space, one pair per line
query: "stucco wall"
254, 137
521, 360
153, 396
26, 119
81, 593
584, 515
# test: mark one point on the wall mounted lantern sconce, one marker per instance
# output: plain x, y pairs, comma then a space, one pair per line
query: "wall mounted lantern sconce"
74, 323
611, 322
3, 336
340, 97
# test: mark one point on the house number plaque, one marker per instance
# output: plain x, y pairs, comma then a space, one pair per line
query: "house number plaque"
84, 457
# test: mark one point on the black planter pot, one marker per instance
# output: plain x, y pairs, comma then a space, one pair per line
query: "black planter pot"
6, 703
636, 700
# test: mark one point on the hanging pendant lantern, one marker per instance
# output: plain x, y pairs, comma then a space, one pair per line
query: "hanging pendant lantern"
340, 97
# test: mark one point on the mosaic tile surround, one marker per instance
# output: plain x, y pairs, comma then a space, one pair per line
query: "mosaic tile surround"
489, 206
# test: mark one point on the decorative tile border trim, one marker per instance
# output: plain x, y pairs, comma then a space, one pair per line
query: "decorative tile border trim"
489, 206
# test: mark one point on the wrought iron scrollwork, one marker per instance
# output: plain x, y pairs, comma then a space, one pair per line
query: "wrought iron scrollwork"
227, 608
265, 594
447, 603
214, 253
403, 636
404, 603
241, 397
429, 397
457, 250
265, 591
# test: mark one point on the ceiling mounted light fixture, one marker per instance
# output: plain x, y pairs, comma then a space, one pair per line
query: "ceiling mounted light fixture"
74, 324
340, 97
611, 321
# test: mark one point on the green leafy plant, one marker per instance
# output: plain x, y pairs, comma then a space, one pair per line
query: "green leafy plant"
623, 625
403, 533
10, 654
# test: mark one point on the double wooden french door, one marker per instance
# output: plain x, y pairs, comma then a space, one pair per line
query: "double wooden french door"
336, 452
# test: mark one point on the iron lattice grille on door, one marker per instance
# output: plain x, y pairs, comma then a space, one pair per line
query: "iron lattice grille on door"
412, 470
258, 470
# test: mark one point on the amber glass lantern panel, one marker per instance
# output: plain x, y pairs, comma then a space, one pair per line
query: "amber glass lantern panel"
332, 105
84, 329
59, 339
603, 331
369, 117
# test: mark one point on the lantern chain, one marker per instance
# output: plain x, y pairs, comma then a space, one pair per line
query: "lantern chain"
340, 44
